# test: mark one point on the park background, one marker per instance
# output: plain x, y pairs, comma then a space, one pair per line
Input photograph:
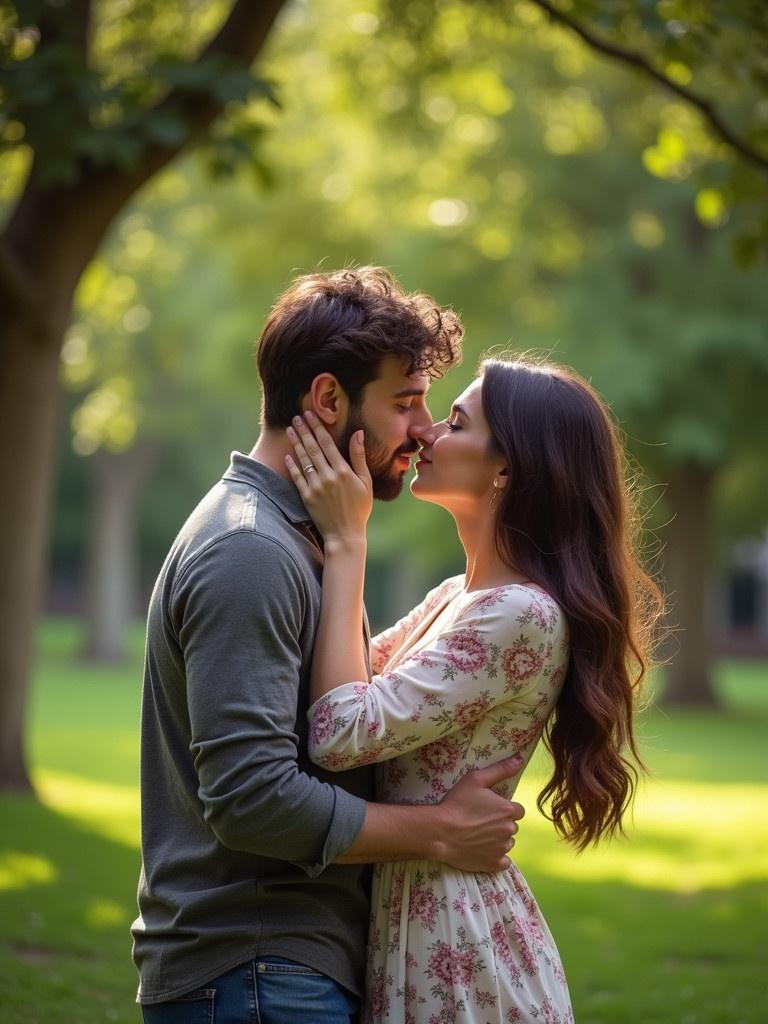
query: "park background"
587, 182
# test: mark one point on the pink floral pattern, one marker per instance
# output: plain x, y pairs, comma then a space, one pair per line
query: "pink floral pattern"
322, 724
520, 662
423, 906
459, 682
466, 653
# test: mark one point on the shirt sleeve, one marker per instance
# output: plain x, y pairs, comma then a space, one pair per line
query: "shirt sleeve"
240, 609
507, 649
384, 643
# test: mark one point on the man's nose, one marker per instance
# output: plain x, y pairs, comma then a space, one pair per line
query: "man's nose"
421, 424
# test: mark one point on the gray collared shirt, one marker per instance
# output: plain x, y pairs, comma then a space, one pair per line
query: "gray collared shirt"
239, 828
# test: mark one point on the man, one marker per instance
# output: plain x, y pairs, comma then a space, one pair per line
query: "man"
253, 893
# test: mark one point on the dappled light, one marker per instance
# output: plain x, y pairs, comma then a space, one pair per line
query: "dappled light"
105, 914
21, 870
107, 810
676, 905
670, 846
581, 180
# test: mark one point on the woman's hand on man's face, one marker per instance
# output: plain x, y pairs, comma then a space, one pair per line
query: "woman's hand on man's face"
338, 494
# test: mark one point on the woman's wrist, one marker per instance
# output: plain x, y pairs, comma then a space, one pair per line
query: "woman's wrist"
354, 545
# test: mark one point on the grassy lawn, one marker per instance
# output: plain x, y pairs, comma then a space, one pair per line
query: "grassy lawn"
668, 926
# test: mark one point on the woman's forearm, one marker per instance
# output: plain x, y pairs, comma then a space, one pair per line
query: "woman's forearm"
339, 654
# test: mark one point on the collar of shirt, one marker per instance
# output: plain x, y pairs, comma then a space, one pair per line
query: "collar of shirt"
279, 491
282, 492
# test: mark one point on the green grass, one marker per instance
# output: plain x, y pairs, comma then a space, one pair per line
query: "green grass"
666, 927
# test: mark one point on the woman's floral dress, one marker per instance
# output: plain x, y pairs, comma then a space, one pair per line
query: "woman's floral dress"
463, 680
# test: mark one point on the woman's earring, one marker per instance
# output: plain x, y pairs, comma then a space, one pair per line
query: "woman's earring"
495, 495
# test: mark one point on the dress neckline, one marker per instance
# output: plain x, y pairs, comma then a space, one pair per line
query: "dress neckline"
534, 588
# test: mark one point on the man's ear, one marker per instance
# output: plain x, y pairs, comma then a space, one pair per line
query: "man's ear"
327, 399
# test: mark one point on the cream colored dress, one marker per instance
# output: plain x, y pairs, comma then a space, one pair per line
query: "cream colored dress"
462, 681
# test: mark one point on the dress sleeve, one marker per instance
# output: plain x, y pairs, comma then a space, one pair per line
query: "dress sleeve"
505, 648
384, 643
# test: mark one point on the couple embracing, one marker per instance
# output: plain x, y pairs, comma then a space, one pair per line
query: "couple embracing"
327, 817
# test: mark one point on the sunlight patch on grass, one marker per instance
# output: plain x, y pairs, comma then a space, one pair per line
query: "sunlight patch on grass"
21, 870
108, 810
684, 838
104, 914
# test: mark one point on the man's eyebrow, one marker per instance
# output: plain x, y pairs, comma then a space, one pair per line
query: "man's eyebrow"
410, 393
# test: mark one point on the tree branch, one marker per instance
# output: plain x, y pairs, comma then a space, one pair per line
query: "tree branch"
68, 22
105, 190
81, 15
55, 229
18, 291
240, 39
637, 60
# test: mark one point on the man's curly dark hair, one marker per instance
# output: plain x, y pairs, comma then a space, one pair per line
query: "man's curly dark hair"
345, 322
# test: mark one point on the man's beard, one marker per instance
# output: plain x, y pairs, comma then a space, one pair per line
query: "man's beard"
387, 480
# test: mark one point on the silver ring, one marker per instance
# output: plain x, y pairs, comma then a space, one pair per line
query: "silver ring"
309, 469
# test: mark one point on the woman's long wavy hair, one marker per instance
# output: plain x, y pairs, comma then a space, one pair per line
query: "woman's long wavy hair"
568, 521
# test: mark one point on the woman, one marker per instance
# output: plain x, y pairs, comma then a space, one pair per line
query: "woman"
546, 633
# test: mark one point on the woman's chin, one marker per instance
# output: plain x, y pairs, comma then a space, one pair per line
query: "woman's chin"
419, 490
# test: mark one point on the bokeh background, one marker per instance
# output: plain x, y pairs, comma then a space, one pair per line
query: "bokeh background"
587, 181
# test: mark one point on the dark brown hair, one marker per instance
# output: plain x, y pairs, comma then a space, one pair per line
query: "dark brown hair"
568, 521
345, 323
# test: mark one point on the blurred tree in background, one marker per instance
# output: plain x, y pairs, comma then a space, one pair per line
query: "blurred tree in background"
97, 98
711, 57
559, 201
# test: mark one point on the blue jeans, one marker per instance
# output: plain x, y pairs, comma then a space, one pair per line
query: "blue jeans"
267, 991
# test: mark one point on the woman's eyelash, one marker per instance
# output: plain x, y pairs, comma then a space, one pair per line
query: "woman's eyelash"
453, 426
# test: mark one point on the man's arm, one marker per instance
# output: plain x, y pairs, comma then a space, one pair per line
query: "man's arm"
240, 614
471, 829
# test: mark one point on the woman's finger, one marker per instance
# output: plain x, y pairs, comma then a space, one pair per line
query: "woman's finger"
311, 447
357, 456
296, 476
326, 442
302, 456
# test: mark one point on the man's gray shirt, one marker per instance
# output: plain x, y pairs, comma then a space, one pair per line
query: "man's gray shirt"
239, 829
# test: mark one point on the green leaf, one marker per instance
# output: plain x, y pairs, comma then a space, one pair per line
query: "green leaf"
166, 128
747, 250
233, 84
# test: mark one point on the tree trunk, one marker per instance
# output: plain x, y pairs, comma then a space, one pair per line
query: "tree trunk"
686, 558
48, 240
112, 598
44, 248
28, 407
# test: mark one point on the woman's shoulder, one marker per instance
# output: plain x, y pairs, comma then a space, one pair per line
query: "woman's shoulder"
450, 588
515, 606
452, 583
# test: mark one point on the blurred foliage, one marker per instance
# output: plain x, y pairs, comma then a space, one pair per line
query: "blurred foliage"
705, 66
83, 83
559, 201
